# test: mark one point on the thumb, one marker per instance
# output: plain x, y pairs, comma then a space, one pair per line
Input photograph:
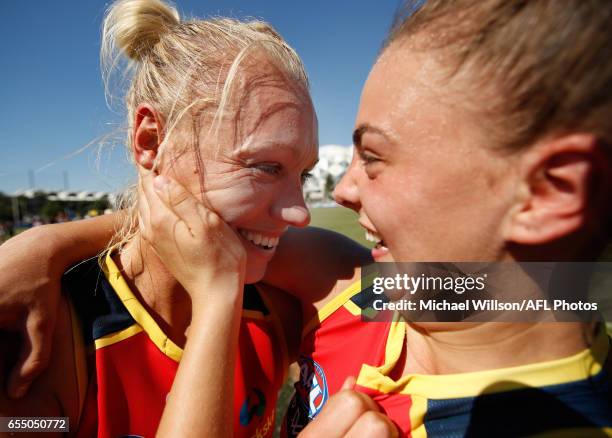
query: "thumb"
349, 383
34, 355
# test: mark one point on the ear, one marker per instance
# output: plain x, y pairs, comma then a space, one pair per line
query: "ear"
565, 185
147, 135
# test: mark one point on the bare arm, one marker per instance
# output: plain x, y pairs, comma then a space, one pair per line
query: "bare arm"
55, 392
31, 266
207, 258
311, 262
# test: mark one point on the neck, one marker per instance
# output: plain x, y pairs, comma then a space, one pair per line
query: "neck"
156, 289
449, 348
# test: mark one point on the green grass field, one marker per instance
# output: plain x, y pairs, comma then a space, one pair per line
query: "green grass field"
341, 220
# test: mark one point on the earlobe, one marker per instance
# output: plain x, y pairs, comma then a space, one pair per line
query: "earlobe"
147, 135
558, 190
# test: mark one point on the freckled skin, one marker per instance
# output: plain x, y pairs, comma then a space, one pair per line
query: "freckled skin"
437, 192
277, 129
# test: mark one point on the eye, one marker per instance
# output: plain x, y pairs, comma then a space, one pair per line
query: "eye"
305, 177
269, 168
367, 158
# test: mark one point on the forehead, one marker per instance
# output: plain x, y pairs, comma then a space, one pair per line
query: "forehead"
269, 102
400, 81
273, 111
407, 95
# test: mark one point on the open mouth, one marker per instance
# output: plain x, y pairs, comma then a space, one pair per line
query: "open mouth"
259, 240
371, 236
380, 249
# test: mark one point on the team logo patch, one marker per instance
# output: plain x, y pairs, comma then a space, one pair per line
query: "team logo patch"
255, 404
311, 393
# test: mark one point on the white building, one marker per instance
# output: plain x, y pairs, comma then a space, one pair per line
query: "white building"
333, 162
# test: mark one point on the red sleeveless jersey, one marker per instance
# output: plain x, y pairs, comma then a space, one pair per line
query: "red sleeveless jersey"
571, 396
134, 364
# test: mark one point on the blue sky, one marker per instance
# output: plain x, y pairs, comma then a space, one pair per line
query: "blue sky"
52, 98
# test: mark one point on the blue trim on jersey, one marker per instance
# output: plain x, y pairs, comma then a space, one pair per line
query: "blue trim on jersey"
101, 310
529, 411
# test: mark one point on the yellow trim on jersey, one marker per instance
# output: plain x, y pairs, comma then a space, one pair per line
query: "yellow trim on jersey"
352, 308
394, 344
340, 300
580, 366
119, 336
418, 409
331, 306
138, 312
254, 314
278, 327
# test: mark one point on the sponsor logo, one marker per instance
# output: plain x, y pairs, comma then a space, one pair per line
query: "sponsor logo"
254, 405
311, 393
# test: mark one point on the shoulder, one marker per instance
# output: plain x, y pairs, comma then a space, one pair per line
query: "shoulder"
312, 263
286, 311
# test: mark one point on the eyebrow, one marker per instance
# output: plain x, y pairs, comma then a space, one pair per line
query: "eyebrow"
262, 146
365, 128
313, 165
271, 145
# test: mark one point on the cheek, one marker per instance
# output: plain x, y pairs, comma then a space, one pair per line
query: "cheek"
444, 215
237, 203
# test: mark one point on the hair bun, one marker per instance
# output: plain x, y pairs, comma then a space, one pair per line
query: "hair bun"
265, 28
135, 26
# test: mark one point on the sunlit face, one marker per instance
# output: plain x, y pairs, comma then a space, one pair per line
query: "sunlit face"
422, 178
254, 178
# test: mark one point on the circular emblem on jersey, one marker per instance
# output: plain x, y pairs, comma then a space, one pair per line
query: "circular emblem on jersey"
312, 387
255, 404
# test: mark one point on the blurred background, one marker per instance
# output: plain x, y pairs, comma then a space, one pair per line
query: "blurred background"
62, 151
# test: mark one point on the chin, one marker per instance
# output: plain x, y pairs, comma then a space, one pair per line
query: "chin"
254, 272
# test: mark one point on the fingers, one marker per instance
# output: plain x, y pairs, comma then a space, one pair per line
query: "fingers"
156, 219
339, 415
182, 203
144, 212
373, 425
34, 355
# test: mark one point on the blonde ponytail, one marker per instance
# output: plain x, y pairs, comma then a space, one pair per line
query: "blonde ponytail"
135, 26
179, 66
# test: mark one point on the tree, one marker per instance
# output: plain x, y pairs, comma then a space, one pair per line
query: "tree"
51, 209
6, 208
329, 186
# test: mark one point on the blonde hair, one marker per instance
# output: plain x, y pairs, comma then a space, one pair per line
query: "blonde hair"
178, 65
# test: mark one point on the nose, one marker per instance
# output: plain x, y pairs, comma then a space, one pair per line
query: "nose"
291, 208
346, 192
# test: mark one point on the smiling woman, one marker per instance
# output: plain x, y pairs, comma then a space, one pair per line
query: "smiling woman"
232, 140
222, 107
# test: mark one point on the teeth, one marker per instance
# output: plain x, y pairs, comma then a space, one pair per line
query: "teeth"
260, 239
372, 237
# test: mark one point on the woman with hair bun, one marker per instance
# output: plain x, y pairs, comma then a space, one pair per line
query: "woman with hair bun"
483, 134
222, 107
